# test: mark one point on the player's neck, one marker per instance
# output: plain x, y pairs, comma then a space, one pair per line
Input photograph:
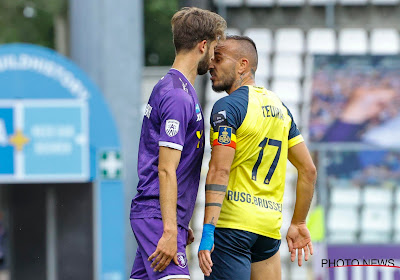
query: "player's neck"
246, 79
184, 63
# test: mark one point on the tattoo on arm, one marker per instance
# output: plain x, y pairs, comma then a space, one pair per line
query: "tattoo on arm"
213, 204
212, 221
215, 187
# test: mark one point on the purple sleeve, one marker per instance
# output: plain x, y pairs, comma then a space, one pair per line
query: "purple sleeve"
176, 110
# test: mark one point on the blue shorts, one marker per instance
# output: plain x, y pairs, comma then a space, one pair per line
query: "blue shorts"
235, 250
148, 232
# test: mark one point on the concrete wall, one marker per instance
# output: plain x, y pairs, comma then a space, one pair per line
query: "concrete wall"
107, 42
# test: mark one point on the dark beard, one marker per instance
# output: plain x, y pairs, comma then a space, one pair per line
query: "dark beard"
225, 86
203, 66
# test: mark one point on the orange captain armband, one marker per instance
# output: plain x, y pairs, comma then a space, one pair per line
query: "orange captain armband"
225, 136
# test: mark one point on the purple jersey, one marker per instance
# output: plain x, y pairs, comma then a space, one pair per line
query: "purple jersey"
173, 118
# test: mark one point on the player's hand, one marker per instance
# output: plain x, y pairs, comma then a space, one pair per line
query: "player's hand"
205, 261
205, 249
166, 250
299, 239
190, 237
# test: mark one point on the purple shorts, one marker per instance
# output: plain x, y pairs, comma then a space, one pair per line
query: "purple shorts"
147, 232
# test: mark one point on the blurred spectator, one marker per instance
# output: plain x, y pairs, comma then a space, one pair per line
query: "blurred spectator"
356, 98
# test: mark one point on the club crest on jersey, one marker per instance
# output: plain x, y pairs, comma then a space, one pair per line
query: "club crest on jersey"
225, 135
171, 127
182, 262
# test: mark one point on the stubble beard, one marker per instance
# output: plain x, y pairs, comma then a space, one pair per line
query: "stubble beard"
225, 85
204, 64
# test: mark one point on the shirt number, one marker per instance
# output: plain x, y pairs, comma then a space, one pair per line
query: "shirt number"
270, 142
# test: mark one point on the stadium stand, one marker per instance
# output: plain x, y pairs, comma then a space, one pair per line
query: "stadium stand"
376, 223
232, 31
385, 2
321, 41
377, 196
291, 3
350, 197
384, 41
353, 41
396, 223
288, 66
321, 2
289, 90
262, 37
343, 224
260, 3
229, 3
263, 69
353, 2
289, 40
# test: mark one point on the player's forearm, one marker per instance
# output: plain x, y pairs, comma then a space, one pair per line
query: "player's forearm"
304, 195
168, 199
214, 200
216, 184
215, 192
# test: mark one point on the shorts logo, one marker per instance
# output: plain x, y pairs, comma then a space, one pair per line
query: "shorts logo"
181, 260
225, 134
171, 127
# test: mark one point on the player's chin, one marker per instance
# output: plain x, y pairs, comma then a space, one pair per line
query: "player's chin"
215, 81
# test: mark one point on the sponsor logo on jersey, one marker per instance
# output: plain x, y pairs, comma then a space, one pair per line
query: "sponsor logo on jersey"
198, 112
171, 127
199, 135
219, 119
182, 262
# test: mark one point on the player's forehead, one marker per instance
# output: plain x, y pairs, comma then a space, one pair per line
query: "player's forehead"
226, 47
214, 44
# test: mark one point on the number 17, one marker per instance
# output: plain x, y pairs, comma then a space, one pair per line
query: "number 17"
271, 142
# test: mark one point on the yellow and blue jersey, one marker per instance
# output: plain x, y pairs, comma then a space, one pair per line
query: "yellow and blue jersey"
256, 123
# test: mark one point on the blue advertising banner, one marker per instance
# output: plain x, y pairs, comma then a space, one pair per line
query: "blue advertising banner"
54, 125
44, 140
6, 147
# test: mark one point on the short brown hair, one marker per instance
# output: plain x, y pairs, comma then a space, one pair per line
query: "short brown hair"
192, 25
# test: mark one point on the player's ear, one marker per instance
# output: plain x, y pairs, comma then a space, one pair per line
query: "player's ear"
243, 65
202, 46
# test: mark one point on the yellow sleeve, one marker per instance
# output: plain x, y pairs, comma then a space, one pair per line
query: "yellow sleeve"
295, 140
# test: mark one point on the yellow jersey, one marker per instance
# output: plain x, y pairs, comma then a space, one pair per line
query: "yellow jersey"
256, 123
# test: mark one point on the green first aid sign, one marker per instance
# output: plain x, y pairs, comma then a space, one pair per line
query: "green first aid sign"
110, 165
